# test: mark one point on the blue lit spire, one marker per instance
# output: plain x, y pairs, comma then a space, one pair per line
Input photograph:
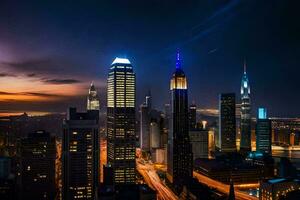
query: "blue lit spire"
245, 87
178, 63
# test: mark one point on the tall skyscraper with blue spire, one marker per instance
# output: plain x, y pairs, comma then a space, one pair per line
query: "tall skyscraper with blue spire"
245, 113
180, 156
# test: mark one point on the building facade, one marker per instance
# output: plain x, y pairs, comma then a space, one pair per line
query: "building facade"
263, 132
93, 102
121, 121
227, 122
275, 189
245, 123
180, 157
145, 127
192, 116
200, 141
80, 155
37, 164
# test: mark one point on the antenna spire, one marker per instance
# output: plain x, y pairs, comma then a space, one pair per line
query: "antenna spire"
245, 66
178, 63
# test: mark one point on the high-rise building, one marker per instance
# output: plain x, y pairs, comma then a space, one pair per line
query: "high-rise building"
227, 122
37, 166
245, 113
148, 101
154, 135
199, 140
192, 116
145, 109
121, 121
180, 158
93, 99
263, 132
80, 170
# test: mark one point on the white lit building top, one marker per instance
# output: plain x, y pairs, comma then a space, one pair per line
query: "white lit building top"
121, 61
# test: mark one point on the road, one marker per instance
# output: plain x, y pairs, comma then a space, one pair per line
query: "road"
222, 187
103, 153
148, 171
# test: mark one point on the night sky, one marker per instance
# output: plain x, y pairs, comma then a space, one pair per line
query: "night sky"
51, 51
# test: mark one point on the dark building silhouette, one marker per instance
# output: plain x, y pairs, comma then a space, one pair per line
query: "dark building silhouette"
37, 166
129, 191
231, 195
80, 170
227, 122
145, 118
287, 169
192, 116
179, 154
121, 121
245, 113
263, 132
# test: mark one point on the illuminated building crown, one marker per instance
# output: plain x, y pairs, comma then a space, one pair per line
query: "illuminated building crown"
178, 80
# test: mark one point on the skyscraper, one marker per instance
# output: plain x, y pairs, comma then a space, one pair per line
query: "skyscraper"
192, 116
121, 121
37, 161
180, 158
245, 113
80, 170
199, 139
227, 122
263, 132
154, 135
93, 99
145, 124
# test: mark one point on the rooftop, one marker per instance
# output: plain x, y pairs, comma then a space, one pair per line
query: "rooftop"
121, 61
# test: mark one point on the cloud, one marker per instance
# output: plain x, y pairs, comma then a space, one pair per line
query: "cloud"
38, 94
4, 74
61, 81
34, 67
31, 75
41, 64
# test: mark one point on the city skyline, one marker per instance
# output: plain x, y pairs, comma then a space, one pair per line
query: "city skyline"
47, 71
149, 100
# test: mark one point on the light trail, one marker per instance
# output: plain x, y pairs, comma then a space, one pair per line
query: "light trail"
152, 179
222, 187
103, 153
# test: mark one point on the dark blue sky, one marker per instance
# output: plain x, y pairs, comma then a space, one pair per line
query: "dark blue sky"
72, 43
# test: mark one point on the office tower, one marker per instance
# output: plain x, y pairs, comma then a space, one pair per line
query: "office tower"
180, 156
145, 124
245, 113
263, 132
121, 121
93, 99
154, 135
227, 122
80, 170
192, 116
148, 101
199, 141
37, 166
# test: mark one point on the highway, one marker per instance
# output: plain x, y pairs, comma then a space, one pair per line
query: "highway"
148, 171
222, 187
